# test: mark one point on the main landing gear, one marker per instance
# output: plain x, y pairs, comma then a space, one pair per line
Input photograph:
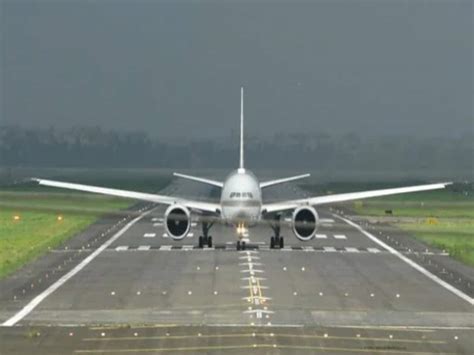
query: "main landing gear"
205, 239
276, 241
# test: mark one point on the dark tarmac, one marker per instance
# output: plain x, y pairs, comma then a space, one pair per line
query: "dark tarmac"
342, 292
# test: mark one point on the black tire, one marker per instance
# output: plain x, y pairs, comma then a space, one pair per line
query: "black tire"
238, 245
272, 243
209, 242
201, 241
282, 243
243, 245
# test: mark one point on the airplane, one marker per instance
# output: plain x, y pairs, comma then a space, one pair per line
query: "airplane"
241, 204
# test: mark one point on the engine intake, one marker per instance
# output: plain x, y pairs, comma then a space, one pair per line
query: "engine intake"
305, 222
177, 221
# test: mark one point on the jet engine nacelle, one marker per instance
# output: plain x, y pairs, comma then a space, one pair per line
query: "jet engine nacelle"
305, 222
177, 221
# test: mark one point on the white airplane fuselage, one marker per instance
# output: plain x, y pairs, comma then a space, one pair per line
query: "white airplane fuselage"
241, 198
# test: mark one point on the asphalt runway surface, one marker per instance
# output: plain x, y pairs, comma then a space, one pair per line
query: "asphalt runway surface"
124, 286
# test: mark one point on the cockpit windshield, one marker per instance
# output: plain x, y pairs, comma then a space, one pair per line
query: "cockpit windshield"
241, 195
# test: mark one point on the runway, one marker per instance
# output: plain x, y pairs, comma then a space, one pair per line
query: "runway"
140, 291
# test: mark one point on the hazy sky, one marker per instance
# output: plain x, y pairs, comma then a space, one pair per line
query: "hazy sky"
175, 68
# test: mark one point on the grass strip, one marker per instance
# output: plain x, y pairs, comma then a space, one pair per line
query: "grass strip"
32, 223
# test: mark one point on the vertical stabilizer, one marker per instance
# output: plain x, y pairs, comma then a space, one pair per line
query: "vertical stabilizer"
241, 164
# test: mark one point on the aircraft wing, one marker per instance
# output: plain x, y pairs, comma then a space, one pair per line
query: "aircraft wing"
200, 179
313, 201
281, 181
161, 199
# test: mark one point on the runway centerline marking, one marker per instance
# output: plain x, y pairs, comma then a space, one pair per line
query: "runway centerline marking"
42, 296
410, 262
256, 300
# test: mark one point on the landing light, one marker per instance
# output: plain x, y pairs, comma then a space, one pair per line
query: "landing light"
241, 230
16, 217
60, 218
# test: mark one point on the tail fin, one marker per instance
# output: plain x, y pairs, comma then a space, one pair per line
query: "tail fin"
241, 164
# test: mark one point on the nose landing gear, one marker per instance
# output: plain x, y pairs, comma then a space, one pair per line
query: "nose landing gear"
241, 245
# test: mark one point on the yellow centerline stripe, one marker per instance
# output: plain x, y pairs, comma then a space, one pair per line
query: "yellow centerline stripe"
174, 325
250, 288
259, 289
127, 326
253, 346
273, 335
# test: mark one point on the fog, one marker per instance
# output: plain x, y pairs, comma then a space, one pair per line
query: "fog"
333, 87
174, 69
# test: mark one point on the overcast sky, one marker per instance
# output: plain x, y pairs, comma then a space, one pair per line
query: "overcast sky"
370, 67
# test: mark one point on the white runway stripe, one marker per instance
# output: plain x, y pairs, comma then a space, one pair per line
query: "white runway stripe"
326, 220
165, 235
149, 235
157, 224
321, 236
38, 299
410, 262
190, 235
339, 236
253, 247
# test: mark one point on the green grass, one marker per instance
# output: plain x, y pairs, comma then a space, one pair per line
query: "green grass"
442, 218
38, 227
455, 237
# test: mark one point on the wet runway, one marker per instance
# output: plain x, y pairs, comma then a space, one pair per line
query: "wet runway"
140, 291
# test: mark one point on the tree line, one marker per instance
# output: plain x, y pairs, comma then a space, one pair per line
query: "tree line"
95, 147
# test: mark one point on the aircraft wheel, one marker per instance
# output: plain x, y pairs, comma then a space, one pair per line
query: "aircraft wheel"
209, 242
238, 245
243, 245
272, 243
282, 243
201, 241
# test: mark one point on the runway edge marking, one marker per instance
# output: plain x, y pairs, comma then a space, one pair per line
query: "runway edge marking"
38, 299
410, 262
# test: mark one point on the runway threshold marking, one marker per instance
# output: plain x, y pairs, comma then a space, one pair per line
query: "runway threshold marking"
410, 262
61, 281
